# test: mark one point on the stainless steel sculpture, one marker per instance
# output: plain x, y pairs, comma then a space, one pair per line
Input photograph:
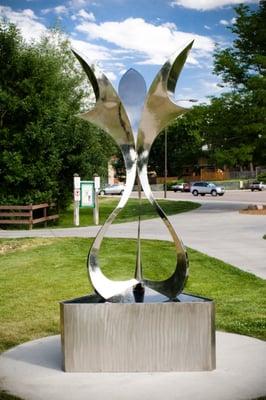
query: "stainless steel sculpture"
138, 324
134, 121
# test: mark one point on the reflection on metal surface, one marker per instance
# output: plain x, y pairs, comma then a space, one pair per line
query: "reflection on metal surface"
134, 120
132, 92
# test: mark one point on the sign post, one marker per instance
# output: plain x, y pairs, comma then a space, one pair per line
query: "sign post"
76, 198
97, 185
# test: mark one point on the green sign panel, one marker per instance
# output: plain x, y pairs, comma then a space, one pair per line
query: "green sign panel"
87, 194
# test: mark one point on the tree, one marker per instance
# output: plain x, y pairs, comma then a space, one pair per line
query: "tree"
184, 145
42, 141
243, 67
246, 58
225, 131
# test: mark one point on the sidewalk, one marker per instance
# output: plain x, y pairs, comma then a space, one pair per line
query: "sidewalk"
215, 229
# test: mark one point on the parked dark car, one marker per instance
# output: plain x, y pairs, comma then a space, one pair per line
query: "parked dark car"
186, 187
257, 186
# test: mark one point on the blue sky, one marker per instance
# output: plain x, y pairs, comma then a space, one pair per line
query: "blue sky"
140, 34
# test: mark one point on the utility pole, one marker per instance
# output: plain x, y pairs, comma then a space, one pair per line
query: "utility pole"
165, 149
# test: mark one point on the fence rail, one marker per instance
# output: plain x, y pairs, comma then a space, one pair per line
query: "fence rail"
169, 179
218, 175
24, 215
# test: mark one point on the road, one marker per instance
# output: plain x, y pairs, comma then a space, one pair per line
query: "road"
216, 228
232, 196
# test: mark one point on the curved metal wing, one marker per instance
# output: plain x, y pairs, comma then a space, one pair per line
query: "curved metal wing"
159, 110
160, 107
110, 115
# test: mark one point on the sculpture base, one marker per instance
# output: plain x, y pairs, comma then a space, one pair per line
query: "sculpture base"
100, 336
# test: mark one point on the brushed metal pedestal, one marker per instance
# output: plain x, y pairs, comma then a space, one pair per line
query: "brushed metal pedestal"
138, 337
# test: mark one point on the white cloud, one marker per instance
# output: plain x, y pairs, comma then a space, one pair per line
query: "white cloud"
119, 64
93, 53
204, 5
81, 3
85, 15
73, 5
207, 27
26, 21
60, 10
223, 22
29, 13
169, 25
77, 3
152, 44
32, 29
57, 10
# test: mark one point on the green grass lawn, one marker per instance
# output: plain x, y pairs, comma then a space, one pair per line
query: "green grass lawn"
35, 274
129, 213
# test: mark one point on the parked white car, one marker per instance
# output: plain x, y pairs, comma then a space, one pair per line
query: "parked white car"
203, 188
178, 187
113, 189
181, 187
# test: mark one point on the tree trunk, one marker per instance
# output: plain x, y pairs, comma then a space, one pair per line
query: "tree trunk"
251, 166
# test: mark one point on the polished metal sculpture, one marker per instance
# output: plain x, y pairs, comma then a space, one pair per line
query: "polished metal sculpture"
134, 119
164, 329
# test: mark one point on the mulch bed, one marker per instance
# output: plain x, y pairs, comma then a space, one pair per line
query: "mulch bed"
256, 209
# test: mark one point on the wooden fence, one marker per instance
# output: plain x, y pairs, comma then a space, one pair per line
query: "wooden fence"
209, 176
169, 179
203, 176
25, 214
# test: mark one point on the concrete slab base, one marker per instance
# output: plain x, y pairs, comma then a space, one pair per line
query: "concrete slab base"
33, 372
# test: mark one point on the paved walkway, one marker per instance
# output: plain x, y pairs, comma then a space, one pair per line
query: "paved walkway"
216, 229
33, 371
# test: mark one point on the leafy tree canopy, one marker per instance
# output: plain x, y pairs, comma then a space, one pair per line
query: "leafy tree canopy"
183, 145
246, 58
242, 114
42, 141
